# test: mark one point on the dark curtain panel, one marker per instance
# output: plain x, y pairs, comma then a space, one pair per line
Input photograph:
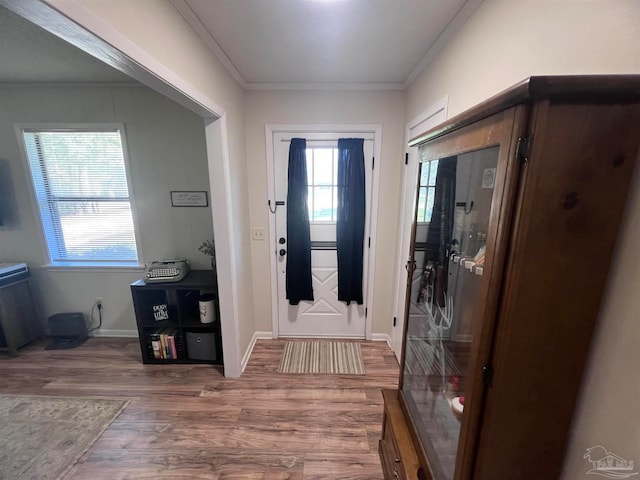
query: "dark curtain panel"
436, 258
298, 277
351, 216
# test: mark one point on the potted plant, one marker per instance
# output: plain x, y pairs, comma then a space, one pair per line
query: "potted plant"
208, 247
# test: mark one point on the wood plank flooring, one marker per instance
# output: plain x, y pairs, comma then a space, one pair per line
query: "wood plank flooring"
188, 421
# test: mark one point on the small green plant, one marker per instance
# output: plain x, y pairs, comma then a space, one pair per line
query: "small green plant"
208, 247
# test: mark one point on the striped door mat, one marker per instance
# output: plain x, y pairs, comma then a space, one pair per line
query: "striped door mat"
318, 356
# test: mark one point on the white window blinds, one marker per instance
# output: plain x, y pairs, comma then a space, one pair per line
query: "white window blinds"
81, 188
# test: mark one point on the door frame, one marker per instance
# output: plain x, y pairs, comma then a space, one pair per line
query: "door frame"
431, 117
370, 226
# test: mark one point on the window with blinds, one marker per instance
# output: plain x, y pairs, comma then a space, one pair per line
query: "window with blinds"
80, 184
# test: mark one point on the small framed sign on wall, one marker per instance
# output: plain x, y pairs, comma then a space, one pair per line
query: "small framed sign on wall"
189, 199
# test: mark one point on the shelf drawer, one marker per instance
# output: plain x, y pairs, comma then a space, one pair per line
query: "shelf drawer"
397, 452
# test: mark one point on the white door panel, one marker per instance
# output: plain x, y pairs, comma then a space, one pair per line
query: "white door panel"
325, 316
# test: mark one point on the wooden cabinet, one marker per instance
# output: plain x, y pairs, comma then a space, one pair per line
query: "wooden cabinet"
518, 209
168, 320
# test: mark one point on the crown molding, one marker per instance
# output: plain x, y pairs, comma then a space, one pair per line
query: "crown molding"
205, 35
458, 20
323, 86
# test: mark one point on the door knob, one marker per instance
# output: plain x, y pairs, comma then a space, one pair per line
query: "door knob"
282, 252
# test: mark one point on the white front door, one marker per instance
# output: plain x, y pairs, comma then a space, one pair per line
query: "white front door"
325, 316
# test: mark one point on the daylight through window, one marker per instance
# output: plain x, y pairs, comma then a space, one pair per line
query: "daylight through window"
322, 181
81, 188
428, 172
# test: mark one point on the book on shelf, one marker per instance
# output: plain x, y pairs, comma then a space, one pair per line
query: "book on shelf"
165, 344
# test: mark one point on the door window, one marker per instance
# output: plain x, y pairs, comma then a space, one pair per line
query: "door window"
322, 180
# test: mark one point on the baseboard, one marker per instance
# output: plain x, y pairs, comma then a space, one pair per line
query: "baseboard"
247, 353
381, 337
114, 333
319, 335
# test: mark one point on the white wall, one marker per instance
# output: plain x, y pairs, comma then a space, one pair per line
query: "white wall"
158, 31
166, 148
328, 107
506, 41
502, 43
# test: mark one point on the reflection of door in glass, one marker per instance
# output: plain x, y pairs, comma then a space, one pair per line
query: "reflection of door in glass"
325, 316
452, 219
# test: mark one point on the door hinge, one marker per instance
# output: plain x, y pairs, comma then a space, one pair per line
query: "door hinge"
394, 321
487, 375
369, 242
406, 158
366, 312
524, 148
373, 162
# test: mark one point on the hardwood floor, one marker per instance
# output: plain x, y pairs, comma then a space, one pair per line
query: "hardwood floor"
188, 421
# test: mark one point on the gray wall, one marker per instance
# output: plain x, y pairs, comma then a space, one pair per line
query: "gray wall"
166, 149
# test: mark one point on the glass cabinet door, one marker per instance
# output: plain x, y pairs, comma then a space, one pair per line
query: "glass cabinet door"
454, 200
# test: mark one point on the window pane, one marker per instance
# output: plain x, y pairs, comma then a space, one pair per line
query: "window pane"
422, 202
334, 210
335, 167
424, 174
323, 166
429, 205
97, 231
84, 164
322, 207
434, 172
310, 203
309, 158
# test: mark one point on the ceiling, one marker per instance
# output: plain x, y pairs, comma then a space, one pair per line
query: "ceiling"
269, 44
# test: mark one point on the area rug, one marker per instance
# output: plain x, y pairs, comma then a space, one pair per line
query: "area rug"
318, 356
43, 437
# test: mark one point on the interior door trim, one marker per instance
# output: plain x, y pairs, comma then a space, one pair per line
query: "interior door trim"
367, 131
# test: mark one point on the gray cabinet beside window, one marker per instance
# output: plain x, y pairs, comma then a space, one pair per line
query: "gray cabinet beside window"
18, 322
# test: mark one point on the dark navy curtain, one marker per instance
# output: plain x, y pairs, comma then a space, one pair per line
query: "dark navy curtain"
436, 257
350, 221
298, 277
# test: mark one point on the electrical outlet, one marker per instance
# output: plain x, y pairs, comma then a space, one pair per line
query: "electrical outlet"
98, 301
258, 234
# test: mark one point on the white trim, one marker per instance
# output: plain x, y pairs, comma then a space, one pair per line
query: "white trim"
216, 138
92, 268
102, 332
20, 128
256, 336
376, 130
417, 126
434, 114
269, 132
326, 86
323, 335
73, 23
198, 27
381, 337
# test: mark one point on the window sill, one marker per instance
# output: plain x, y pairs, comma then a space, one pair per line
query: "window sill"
93, 267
